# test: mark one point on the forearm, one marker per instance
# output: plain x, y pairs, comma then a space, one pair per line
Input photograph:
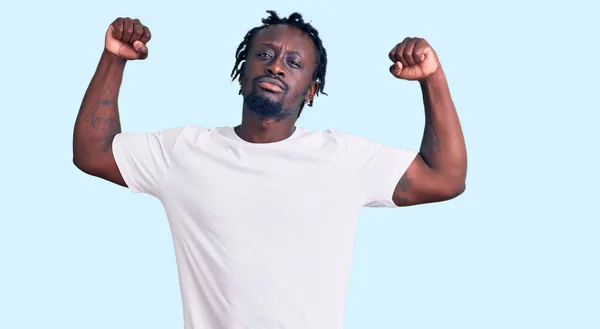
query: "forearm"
443, 145
98, 119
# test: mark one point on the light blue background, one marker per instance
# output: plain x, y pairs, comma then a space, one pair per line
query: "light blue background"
518, 250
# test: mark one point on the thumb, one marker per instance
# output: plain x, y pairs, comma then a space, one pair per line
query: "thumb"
141, 49
396, 68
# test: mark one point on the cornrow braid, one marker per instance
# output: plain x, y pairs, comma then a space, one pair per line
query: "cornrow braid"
297, 21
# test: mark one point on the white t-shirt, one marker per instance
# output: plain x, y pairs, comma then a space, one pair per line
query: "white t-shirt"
263, 233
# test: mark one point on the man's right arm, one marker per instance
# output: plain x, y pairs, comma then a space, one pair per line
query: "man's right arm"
98, 122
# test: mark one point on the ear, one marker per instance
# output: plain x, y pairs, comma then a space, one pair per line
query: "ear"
312, 90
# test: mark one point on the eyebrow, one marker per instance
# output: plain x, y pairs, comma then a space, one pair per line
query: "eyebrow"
294, 52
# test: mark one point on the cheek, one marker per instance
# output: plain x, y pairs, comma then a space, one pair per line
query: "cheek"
302, 92
245, 83
248, 71
296, 96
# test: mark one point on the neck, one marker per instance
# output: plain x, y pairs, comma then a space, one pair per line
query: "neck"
255, 129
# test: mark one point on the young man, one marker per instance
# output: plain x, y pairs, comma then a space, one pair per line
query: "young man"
263, 214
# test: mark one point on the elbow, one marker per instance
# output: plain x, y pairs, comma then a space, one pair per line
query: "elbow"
89, 159
453, 188
455, 182
458, 189
85, 164
80, 163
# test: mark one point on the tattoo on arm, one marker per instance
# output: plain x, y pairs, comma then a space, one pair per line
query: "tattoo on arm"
402, 187
104, 116
431, 141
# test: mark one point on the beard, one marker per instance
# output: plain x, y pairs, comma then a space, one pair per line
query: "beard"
266, 107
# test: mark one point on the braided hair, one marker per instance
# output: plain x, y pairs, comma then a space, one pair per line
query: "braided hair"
297, 21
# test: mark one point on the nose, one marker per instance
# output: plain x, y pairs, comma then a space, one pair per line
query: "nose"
275, 68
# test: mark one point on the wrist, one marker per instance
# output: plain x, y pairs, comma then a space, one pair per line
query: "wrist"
112, 58
434, 78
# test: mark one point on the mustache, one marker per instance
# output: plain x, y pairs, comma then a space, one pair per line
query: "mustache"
255, 80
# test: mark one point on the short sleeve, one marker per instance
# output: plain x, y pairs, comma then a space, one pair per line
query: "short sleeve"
378, 168
144, 158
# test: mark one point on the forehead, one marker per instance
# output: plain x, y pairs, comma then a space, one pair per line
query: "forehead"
289, 37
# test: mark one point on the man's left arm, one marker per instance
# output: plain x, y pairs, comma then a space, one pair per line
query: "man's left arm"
438, 172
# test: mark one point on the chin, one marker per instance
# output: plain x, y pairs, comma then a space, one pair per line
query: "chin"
266, 105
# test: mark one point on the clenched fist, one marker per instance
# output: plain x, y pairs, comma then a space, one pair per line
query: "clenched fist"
414, 59
127, 38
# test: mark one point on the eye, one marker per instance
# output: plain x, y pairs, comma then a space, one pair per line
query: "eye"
293, 63
264, 55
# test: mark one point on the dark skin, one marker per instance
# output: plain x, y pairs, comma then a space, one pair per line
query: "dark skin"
438, 172
98, 121
289, 54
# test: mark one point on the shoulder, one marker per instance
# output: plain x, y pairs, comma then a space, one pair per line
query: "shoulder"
326, 134
170, 133
190, 132
178, 134
347, 140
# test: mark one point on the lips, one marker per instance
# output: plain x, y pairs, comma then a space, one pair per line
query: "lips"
271, 84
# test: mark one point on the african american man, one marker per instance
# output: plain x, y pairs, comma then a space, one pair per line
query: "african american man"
263, 214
